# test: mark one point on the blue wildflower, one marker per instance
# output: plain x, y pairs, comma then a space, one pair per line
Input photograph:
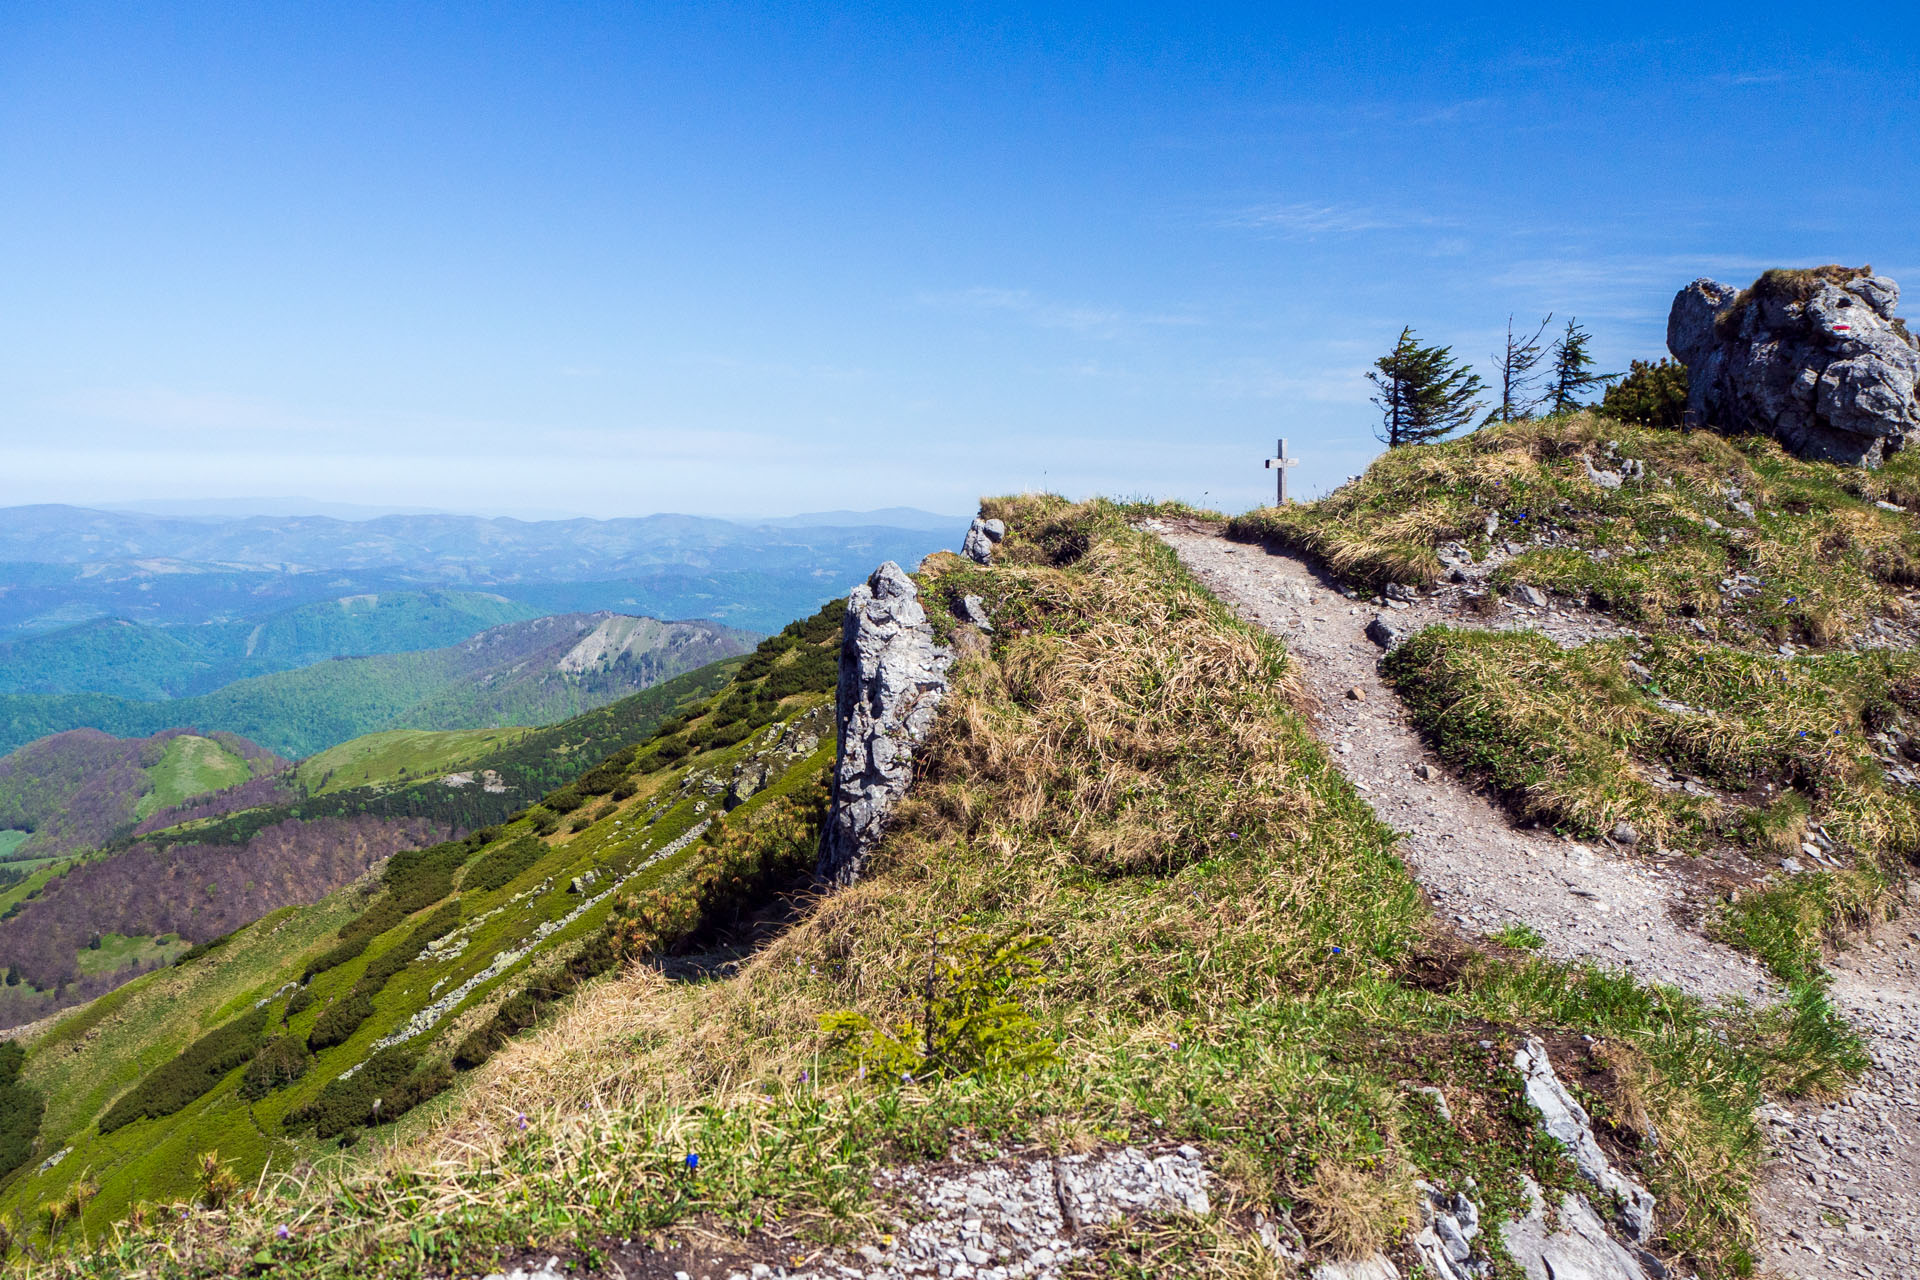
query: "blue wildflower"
693, 1161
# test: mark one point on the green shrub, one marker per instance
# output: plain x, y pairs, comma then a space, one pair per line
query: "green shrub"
498, 868
21, 1109
199, 949
545, 822
201, 1065
417, 877
339, 1020
302, 1000
280, 1062
1651, 395
971, 1022
565, 800
391, 1084
813, 670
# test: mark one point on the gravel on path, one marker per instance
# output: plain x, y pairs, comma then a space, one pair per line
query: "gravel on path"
1587, 901
1843, 1198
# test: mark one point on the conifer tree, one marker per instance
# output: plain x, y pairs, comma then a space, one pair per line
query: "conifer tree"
1572, 370
1422, 392
1517, 362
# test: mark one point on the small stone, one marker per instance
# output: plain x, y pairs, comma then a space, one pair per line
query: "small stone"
1624, 833
1383, 633
1357, 694
974, 610
1530, 594
1424, 771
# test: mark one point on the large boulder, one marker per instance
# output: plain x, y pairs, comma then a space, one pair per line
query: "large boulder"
892, 677
1813, 358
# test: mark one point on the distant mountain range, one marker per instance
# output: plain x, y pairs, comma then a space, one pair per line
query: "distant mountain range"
61, 566
523, 673
469, 547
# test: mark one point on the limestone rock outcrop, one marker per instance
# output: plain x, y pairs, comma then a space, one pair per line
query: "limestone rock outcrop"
1567, 1123
1816, 359
892, 677
982, 537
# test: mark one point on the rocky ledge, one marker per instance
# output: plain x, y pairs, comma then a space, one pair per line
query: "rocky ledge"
1816, 359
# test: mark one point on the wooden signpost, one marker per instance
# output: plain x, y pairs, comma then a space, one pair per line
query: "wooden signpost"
1280, 465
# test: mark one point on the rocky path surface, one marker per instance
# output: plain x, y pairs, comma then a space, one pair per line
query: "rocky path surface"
1586, 901
1842, 1196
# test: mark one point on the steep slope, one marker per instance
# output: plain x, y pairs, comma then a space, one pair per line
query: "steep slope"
204, 868
1130, 917
435, 959
507, 675
130, 660
82, 788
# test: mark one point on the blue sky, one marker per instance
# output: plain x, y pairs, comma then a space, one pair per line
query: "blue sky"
732, 259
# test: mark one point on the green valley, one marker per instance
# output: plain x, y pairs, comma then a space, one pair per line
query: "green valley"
533, 672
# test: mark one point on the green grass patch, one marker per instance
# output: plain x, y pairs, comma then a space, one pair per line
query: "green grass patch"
11, 840
189, 767
1814, 563
397, 756
117, 952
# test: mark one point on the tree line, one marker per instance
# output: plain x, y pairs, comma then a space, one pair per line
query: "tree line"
1424, 393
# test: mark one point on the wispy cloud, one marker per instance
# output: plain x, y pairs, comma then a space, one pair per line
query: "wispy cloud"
1046, 313
1307, 220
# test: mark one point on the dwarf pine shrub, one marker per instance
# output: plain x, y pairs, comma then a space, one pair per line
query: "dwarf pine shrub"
201, 1065
970, 1022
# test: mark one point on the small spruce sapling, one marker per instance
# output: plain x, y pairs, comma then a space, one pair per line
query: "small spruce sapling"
1422, 393
970, 1021
1571, 373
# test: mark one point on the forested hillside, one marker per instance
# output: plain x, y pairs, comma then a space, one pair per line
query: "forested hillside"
83, 788
508, 675
225, 858
144, 662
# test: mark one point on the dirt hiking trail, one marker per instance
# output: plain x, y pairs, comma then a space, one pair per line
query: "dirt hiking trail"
1842, 1197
